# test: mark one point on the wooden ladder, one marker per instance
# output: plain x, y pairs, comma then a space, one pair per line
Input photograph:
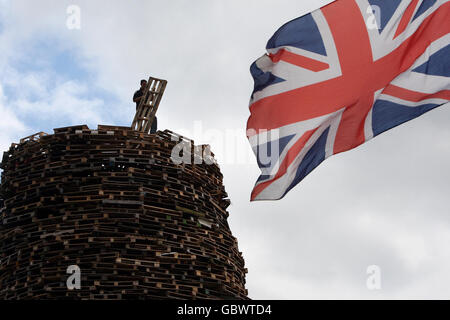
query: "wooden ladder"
148, 105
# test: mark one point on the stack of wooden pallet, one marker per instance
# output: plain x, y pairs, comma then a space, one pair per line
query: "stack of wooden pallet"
112, 202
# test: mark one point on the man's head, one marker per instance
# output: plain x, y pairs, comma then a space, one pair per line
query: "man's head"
143, 84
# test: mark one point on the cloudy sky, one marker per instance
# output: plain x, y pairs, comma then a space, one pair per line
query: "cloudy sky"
385, 203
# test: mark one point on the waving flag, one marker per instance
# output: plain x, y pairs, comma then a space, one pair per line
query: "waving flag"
339, 76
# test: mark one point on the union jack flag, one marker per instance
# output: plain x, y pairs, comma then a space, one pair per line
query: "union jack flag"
339, 76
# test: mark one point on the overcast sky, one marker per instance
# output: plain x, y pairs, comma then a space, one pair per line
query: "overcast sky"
385, 203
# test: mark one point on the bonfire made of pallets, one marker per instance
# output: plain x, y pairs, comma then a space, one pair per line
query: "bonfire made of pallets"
112, 202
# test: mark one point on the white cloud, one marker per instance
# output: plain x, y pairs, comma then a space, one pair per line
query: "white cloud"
11, 128
62, 103
39, 98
